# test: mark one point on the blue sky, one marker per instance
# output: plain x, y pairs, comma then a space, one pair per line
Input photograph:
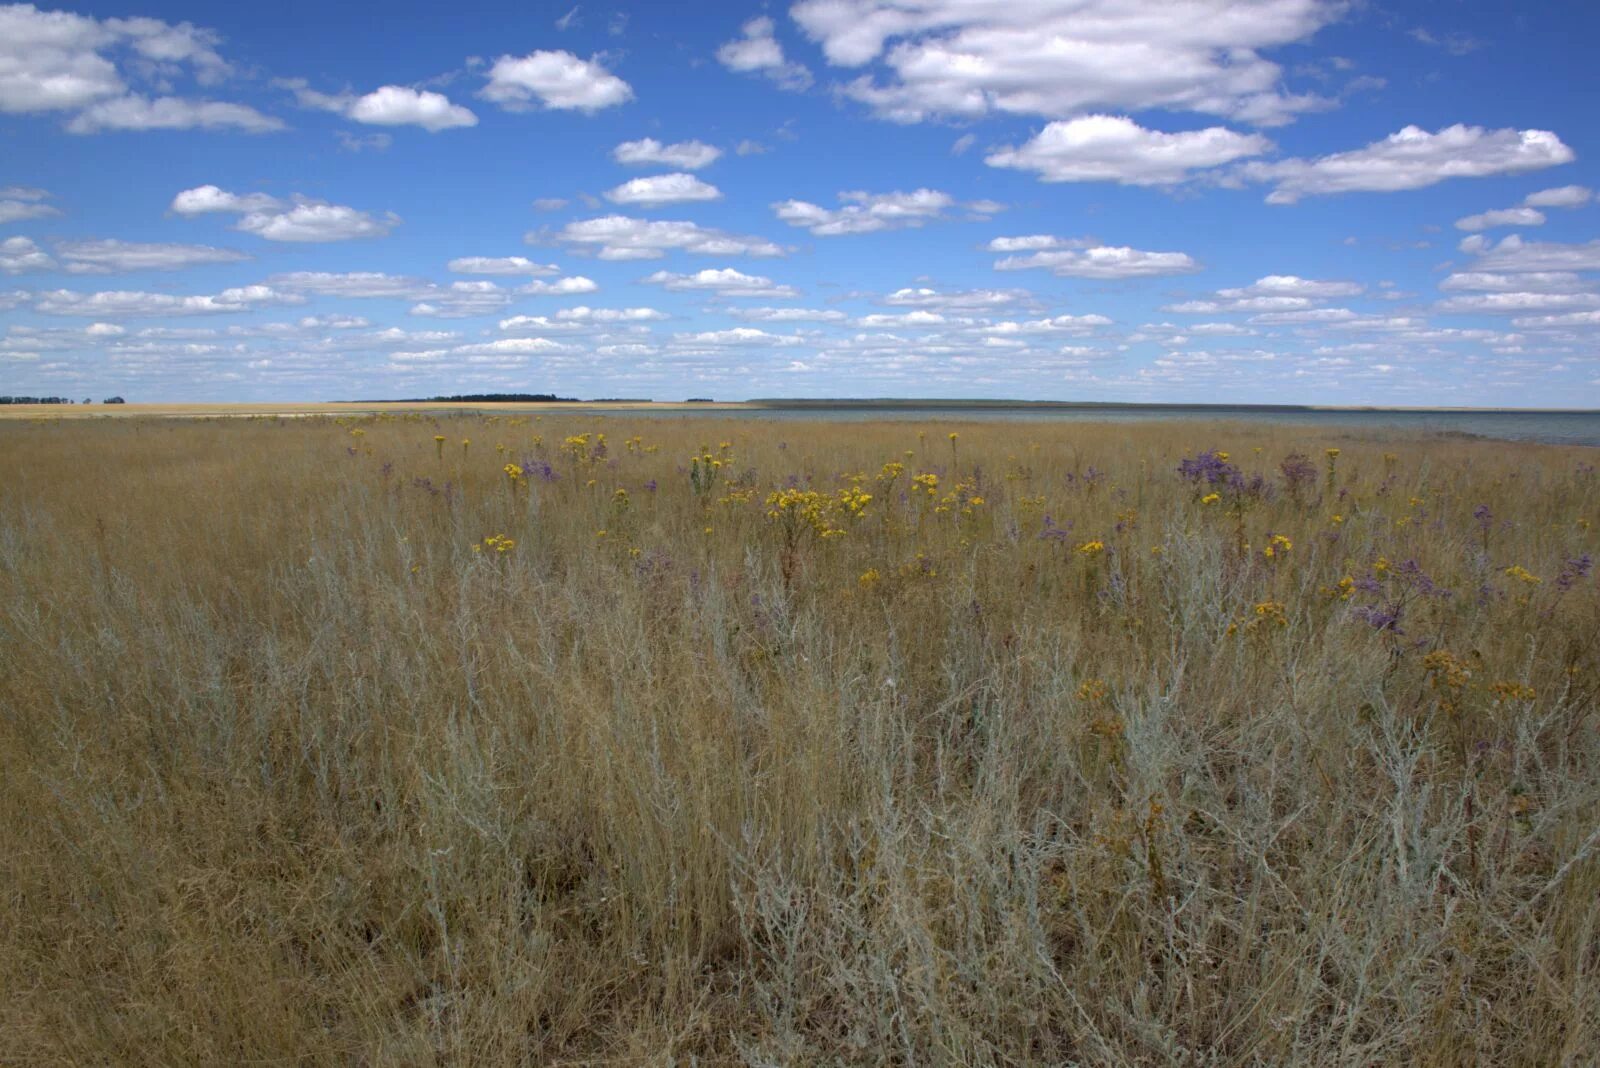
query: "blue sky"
1301, 201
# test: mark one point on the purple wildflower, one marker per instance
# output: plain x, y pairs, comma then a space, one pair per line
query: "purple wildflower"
1209, 468
1572, 571
1055, 533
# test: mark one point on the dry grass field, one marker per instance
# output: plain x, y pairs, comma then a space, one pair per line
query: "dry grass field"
629, 742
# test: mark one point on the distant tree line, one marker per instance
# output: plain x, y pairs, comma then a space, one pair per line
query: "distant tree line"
480, 398
56, 400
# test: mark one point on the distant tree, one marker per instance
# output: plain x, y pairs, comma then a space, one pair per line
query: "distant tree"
88, 400
115, 400
699, 400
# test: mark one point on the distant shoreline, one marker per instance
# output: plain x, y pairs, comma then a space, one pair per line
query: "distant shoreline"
886, 404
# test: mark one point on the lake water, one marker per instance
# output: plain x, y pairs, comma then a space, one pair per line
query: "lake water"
1560, 428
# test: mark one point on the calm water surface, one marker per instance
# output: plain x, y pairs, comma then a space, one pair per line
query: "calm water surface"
1560, 428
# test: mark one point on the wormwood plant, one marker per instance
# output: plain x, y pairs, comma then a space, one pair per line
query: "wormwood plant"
1024, 743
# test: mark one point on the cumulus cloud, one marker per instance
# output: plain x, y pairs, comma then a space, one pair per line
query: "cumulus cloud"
788, 315
619, 237
685, 155
738, 335
582, 314
112, 256
1278, 297
1055, 324
1526, 282
462, 300
1411, 159
390, 105
1110, 148
302, 220
1077, 259
1526, 214
865, 213
316, 221
663, 189
1289, 285
955, 300
1488, 220
900, 320
1517, 303
208, 198
1061, 58
756, 51
502, 265
170, 113
57, 61
1568, 319
360, 284
122, 304
1566, 196
725, 282
558, 81
19, 254
21, 202
1515, 254
561, 287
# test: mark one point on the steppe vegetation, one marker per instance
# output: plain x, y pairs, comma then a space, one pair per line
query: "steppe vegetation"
579, 740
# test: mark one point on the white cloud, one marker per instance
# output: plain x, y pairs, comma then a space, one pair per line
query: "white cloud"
208, 198
618, 237
535, 324
1501, 217
559, 81
1524, 282
1240, 304
1308, 315
582, 314
549, 203
170, 113
391, 105
111, 256
1288, 285
1076, 259
500, 265
1566, 196
1056, 324
561, 287
725, 282
20, 202
902, 320
315, 221
685, 155
461, 300
663, 189
1060, 58
756, 50
360, 284
1110, 148
18, 254
738, 335
955, 300
1569, 319
788, 315
306, 220
57, 61
865, 213
1411, 159
1517, 303
123, 304
1514, 254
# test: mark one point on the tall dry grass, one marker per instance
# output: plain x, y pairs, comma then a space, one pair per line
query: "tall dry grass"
295, 767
